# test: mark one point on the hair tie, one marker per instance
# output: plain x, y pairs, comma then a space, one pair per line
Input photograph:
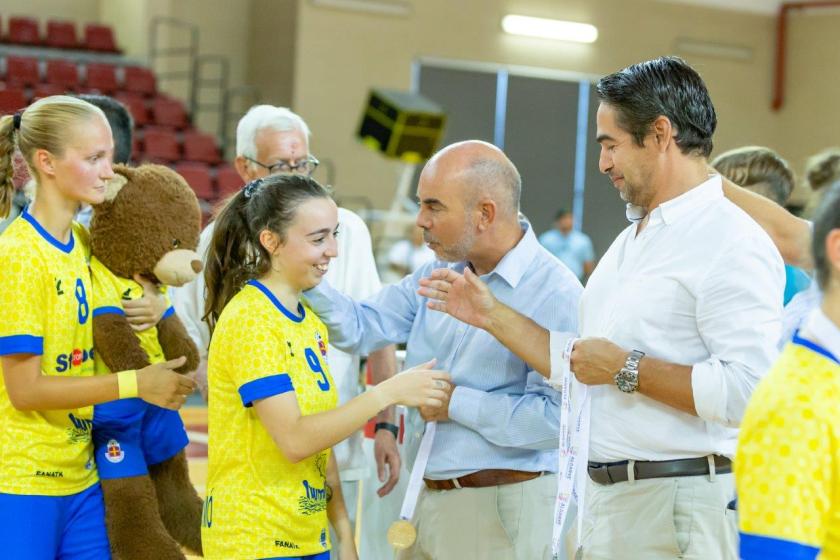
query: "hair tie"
252, 187
16, 119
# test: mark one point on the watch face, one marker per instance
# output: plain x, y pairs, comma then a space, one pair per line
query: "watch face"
626, 380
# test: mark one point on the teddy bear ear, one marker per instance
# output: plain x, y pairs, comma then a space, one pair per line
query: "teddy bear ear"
114, 186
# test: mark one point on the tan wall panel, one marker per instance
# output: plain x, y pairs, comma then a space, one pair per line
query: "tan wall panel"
341, 54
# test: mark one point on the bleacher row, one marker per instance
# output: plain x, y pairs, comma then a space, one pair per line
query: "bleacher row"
59, 34
163, 130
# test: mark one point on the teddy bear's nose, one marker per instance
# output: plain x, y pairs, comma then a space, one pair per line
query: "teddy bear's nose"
196, 266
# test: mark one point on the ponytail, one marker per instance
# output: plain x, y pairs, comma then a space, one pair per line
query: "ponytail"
231, 259
7, 151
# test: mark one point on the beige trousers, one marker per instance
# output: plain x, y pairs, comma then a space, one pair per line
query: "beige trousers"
660, 519
508, 522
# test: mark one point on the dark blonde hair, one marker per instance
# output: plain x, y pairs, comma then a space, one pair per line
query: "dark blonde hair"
44, 125
236, 254
755, 164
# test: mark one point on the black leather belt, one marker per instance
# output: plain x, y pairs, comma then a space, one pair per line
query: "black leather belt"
610, 473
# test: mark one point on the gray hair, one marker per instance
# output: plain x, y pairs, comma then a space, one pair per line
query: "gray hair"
259, 117
496, 177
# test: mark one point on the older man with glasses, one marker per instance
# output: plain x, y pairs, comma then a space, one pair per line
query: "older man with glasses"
271, 140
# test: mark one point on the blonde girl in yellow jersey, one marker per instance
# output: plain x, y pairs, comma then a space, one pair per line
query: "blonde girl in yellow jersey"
50, 499
273, 484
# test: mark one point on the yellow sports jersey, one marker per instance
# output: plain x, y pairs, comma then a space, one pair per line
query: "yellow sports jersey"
260, 505
788, 463
45, 310
109, 293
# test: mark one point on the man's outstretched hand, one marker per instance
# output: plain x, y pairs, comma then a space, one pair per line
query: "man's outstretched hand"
463, 296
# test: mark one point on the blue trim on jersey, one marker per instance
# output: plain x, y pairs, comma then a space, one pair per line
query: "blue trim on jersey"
169, 311
320, 556
21, 344
265, 387
757, 547
106, 309
64, 247
297, 319
814, 347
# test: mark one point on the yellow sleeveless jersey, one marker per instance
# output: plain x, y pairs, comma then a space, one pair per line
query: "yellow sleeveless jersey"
259, 504
109, 292
45, 310
787, 469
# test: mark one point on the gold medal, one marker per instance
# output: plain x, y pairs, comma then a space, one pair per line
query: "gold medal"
401, 534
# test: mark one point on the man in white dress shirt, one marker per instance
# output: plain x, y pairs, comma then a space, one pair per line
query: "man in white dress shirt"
678, 324
273, 140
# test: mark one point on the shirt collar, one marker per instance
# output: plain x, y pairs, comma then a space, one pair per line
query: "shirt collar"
823, 330
517, 261
675, 209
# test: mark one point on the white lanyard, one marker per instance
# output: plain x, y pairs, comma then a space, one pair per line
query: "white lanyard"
574, 449
415, 480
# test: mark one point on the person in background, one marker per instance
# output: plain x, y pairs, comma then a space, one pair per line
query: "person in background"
788, 460
764, 172
572, 247
407, 255
821, 171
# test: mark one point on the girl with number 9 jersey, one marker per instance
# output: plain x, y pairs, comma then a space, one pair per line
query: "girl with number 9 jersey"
272, 481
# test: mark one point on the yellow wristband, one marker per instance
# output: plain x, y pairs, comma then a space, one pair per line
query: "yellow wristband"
127, 383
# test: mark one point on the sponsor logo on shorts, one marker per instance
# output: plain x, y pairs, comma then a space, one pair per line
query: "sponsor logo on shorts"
114, 452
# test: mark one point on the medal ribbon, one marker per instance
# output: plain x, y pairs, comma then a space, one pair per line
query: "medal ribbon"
415, 480
574, 447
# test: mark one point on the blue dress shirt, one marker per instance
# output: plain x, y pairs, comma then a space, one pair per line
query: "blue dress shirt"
503, 415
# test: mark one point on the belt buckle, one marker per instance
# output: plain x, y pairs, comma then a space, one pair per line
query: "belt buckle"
597, 470
455, 483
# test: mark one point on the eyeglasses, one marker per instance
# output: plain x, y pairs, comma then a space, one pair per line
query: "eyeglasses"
305, 166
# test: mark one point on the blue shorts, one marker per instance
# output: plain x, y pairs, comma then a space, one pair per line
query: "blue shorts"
130, 435
54, 527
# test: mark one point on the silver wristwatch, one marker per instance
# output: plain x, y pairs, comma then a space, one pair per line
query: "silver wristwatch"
627, 378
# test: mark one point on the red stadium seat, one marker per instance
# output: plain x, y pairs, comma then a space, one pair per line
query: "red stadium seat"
228, 180
198, 177
160, 145
46, 90
63, 73
199, 146
101, 77
22, 71
11, 100
139, 80
136, 106
135, 149
61, 35
169, 112
100, 38
23, 31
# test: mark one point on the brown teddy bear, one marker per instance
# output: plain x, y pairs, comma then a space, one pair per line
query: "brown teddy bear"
148, 226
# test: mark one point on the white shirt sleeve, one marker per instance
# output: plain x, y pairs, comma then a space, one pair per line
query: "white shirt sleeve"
355, 268
188, 300
739, 307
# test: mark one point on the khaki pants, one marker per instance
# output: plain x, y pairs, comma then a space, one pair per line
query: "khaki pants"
508, 522
660, 519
